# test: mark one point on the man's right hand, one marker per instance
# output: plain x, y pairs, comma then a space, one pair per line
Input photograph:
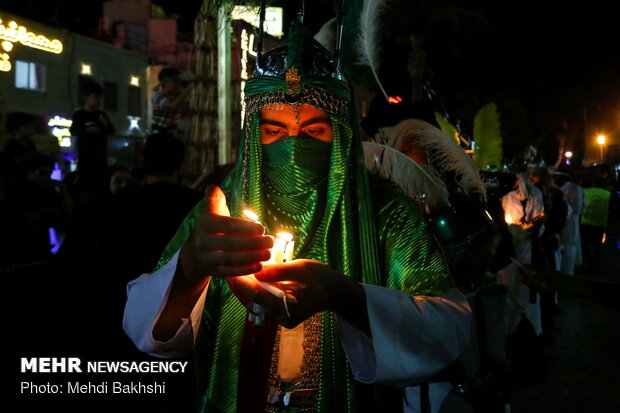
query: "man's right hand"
221, 245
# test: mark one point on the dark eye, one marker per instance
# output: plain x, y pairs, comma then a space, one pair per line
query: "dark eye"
273, 131
314, 131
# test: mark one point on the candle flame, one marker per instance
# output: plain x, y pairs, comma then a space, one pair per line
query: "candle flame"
251, 215
285, 236
509, 219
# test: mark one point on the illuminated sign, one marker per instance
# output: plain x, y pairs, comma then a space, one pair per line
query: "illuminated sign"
86, 69
134, 81
60, 129
247, 46
13, 32
273, 18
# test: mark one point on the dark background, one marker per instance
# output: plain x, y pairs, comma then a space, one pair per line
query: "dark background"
552, 55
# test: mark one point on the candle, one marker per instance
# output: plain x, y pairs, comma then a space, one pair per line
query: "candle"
509, 219
281, 252
283, 245
288, 245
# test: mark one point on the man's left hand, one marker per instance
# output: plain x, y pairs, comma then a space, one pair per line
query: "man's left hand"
315, 287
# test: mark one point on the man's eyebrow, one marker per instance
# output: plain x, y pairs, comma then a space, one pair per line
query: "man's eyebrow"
318, 119
272, 122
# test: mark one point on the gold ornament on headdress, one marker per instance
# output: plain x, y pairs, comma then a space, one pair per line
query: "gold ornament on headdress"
293, 81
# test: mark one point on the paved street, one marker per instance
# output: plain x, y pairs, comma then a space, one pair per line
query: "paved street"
583, 356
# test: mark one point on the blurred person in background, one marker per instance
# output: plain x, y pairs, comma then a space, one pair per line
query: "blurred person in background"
167, 101
20, 147
524, 211
546, 248
143, 218
120, 177
594, 221
92, 127
570, 235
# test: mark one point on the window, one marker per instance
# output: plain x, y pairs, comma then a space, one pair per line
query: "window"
30, 76
134, 101
110, 96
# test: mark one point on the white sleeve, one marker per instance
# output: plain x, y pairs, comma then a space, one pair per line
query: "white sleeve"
146, 298
412, 337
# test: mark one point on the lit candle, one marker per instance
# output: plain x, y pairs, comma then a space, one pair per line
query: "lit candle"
289, 246
509, 219
282, 251
283, 245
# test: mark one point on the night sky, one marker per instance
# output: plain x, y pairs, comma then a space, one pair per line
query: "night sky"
556, 58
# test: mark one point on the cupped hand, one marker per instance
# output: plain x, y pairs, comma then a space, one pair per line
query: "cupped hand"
221, 245
310, 286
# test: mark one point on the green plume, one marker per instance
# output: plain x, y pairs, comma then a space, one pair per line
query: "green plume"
446, 127
297, 42
488, 137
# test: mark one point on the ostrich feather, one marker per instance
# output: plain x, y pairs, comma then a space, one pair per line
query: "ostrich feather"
488, 137
327, 35
441, 151
368, 48
419, 182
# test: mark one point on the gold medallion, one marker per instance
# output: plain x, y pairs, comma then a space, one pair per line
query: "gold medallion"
293, 81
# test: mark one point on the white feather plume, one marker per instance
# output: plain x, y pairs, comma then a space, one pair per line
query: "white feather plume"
327, 35
419, 183
441, 151
368, 48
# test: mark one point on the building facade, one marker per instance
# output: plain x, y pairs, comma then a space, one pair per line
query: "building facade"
42, 71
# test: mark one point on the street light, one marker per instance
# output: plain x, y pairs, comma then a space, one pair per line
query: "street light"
601, 141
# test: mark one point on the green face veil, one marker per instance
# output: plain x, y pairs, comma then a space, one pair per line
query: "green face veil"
296, 164
320, 193
295, 173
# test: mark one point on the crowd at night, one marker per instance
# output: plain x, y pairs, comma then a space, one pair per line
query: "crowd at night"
289, 206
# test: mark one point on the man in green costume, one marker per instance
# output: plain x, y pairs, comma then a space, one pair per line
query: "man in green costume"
370, 302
